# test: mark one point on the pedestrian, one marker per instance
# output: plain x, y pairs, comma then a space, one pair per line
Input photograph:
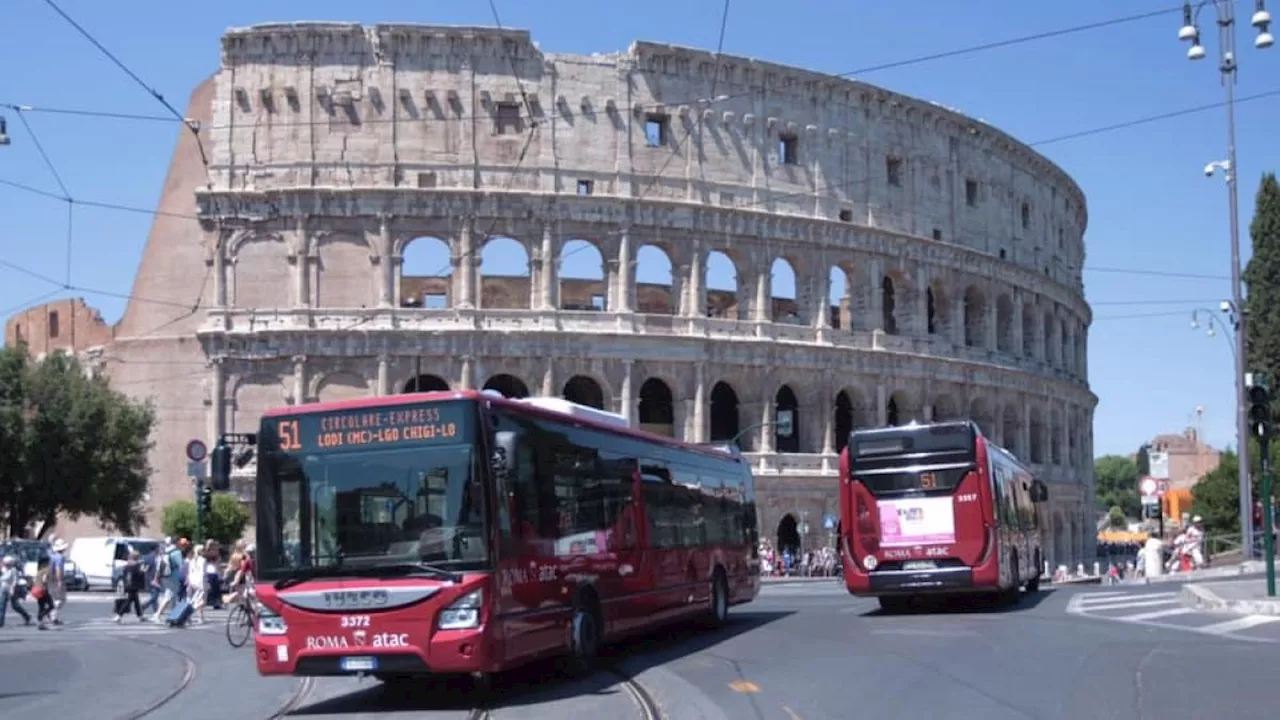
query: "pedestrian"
44, 599
196, 566
169, 575
10, 591
133, 582
57, 578
152, 585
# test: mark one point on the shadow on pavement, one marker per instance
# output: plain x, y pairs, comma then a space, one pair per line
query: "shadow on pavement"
542, 681
966, 604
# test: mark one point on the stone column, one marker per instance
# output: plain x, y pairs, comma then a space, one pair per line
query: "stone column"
468, 263
299, 379
384, 375
768, 432
1024, 430
1041, 344
611, 273
694, 282
302, 264
217, 399
220, 268
1065, 435
1017, 324
876, 288
921, 311
626, 396
991, 340
828, 409
549, 379
700, 403
387, 255
822, 298
626, 272
682, 290
764, 309
957, 316
550, 272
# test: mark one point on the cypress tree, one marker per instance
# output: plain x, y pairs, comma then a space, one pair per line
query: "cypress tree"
1262, 279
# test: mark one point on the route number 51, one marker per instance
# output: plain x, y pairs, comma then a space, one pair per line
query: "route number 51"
288, 432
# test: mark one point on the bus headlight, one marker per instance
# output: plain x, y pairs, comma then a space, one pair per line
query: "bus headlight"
270, 622
463, 613
869, 562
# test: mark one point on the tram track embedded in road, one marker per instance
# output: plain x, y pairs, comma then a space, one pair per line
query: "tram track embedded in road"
300, 693
649, 709
188, 674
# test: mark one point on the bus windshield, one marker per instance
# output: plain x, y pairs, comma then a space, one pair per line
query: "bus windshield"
382, 488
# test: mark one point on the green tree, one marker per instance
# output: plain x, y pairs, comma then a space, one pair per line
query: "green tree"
1116, 484
1143, 460
69, 445
1216, 498
226, 522
1116, 518
1262, 276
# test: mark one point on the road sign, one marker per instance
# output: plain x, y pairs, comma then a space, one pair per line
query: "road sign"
829, 522
195, 469
196, 451
1150, 500
1148, 486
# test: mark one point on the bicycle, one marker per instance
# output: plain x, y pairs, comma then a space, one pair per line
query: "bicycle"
242, 619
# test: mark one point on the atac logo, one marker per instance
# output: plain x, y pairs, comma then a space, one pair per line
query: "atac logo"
358, 637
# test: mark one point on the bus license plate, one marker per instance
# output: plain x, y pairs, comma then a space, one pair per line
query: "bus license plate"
920, 565
359, 664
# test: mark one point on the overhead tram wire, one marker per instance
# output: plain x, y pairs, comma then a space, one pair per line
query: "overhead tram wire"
66, 194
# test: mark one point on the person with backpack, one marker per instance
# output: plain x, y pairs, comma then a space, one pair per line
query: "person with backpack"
169, 564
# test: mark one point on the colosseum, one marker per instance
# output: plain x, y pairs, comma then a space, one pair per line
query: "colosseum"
398, 206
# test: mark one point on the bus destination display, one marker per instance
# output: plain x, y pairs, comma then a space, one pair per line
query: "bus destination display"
371, 427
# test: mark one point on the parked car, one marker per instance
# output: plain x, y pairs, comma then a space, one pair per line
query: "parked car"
29, 553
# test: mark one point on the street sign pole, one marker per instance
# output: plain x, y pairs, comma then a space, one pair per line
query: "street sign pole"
199, 538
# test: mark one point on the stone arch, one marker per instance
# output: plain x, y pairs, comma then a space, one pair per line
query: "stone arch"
339, 385
1004, 323
1010, 435
1046, 341
889, 305
842, 423
975, 317
242, 238
1073, 440
656, 411
584, 390
788, 537
725, 412
258, 262
580, 271
426, 382
982, 413
899, 410
784, 401
938, 309
784, 293
655, 281
504, 274
946, 407
723, 302
1036, 425
342, 275
1064, 345
509, 385
839, 304
425, 273
251, 396
1055, 436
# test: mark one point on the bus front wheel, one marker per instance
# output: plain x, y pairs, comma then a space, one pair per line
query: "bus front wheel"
719, 614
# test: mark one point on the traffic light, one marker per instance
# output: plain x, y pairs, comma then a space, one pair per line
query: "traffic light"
206, 501
1259, 405
220, 465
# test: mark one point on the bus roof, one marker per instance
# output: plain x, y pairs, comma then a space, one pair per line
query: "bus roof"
516, 404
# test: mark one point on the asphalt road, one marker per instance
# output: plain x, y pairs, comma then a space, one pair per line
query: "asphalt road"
801, 652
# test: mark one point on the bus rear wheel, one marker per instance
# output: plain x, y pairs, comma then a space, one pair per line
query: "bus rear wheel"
719, 613
584, 636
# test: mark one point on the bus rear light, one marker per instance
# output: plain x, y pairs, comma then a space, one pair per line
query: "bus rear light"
869, 562
270, 622
463, 613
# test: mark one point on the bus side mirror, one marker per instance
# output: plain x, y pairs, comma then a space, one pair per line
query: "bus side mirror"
1039, 492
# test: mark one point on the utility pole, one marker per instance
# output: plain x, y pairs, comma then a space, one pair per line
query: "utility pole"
1261, 20
1260, 422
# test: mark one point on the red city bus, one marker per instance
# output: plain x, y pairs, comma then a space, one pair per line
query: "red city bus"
464, 532
936, 509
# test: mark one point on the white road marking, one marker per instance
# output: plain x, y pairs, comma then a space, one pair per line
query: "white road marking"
1243, 623
1120, 605
1173, 612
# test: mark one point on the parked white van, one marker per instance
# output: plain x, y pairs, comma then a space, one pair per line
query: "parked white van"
100, 558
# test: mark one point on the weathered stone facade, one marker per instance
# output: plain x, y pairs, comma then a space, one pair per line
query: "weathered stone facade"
333, 147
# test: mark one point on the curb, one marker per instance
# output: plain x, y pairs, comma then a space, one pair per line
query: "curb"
1199, 597
1245, 568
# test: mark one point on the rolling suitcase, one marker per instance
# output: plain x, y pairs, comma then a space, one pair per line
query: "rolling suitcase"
180, 614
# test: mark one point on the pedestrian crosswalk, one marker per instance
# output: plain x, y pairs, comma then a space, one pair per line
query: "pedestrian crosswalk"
1166, 610
130, 625
808, 588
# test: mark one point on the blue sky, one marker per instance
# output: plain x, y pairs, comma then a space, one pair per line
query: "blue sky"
1152, 213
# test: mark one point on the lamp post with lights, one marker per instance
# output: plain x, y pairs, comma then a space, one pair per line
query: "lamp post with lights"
1190, 32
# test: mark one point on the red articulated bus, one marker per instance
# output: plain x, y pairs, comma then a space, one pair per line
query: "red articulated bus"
466, 533
936, 509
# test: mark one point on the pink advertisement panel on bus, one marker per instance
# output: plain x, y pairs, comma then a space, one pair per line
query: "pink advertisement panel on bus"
917, 521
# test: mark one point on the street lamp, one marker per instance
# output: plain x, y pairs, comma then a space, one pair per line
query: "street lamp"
1190, 32
1211, 320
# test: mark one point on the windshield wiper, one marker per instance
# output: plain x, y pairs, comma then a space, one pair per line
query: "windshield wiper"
411, 568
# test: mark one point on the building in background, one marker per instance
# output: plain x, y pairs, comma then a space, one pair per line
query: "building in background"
1182, 459
337, 151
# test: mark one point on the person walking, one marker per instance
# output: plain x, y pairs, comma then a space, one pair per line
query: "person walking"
133, 582
44, 599
10, 595
57, 578
196, 566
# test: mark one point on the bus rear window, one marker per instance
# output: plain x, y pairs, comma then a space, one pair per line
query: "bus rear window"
882, 482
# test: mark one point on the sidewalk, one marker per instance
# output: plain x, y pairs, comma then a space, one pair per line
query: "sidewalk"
1242, 597
1245, 568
